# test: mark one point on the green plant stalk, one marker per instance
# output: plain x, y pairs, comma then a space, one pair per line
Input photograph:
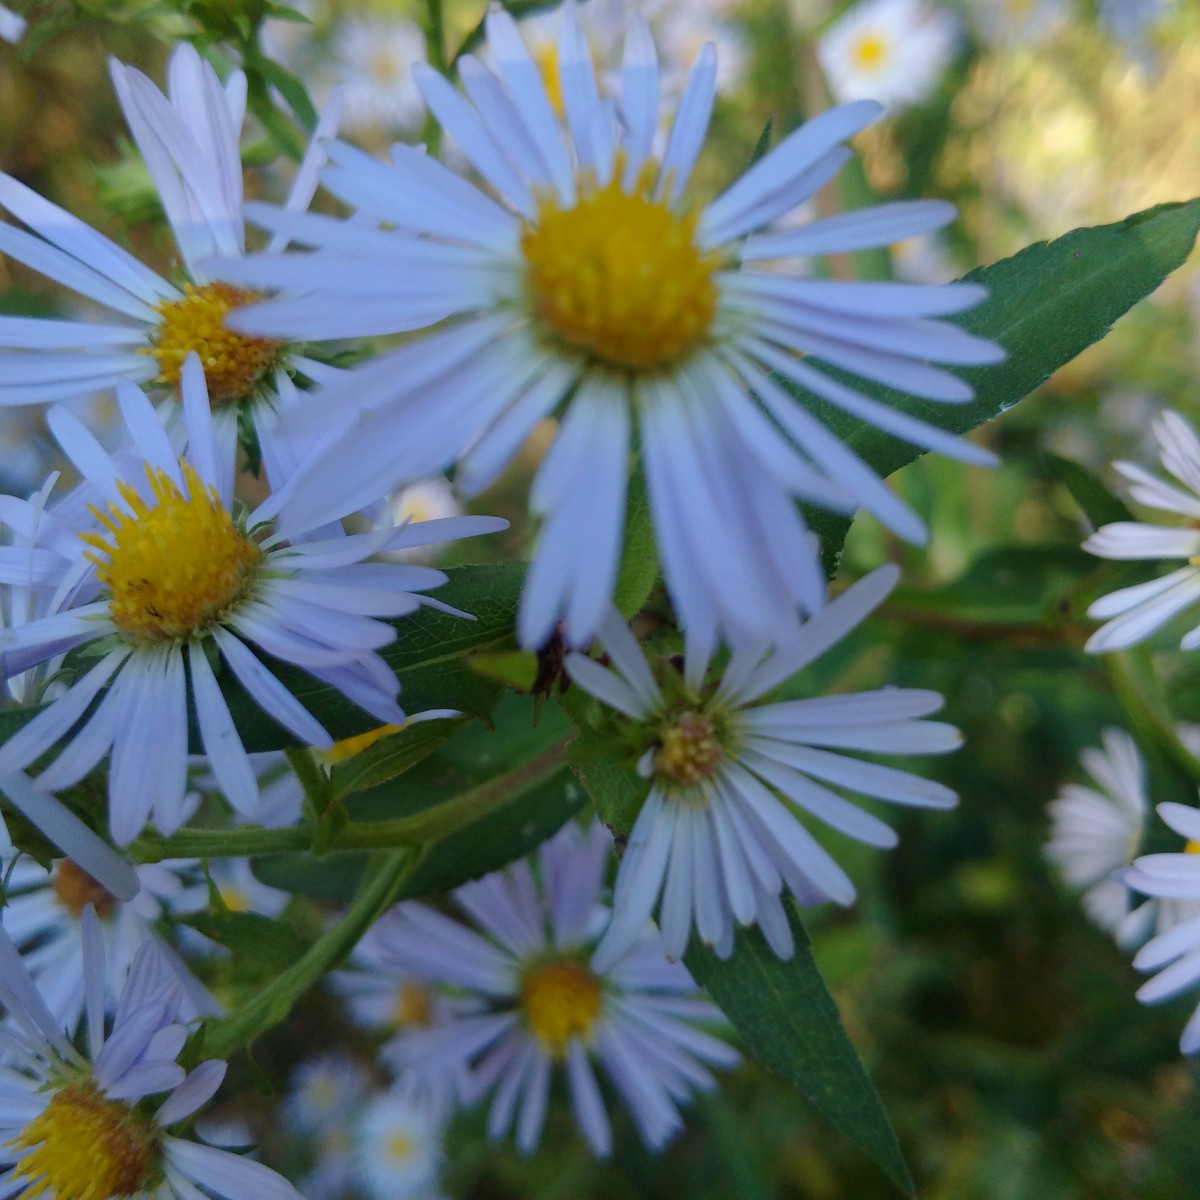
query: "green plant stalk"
380, 886
416, 830
1149, 718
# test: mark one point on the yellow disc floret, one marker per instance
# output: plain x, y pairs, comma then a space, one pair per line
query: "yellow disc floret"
174, 566
689, 750
83, 1146
561, 1000
75, 889
234, 364
870, 52
349, 747
619, 276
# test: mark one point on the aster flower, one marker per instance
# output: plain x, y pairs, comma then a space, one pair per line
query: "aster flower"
75, 1125
44, 916
585, 280
545, 1004
721, 835
1175, 953
163, 577
1022, 24
374, 61
325, 1095
1095, 833
1134, 613
893, 51
189, 140
397, 1146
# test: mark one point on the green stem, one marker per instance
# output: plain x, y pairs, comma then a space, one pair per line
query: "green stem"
429, 825
1149, 714
380, 886
435, 34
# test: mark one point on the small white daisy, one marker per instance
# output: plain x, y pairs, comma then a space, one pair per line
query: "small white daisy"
1095, 832
170, 583
1022, 24
1174, 954
374, 64
324, 1089
547, 1007
12, 26
429, 500
584, 279
720, 835
397, 1146
1134, 613
893, 51
75, 1126
43, 914
189, 140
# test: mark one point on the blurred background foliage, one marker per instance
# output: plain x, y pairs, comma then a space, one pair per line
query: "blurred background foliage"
999, 1024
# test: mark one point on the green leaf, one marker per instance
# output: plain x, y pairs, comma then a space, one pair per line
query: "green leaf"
289, 87
1099, 505
261, 946
639, 554
1046, 304
789, 1022
392, 755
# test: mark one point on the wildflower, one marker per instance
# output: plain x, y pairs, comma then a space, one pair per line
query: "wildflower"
1134, 613
397, 1146
720, 835
545, 1004
165, 581
587, 281
375, 57
77, 1126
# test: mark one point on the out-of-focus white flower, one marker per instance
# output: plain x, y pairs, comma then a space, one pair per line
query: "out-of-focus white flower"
397, 1146
545, 1006
1134, 613
1021, 24
12, 26
374, 60
893, 51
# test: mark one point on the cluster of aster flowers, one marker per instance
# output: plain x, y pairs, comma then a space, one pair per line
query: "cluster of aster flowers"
566, 276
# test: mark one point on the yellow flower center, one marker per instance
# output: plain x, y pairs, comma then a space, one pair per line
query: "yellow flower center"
689, 751
414, 1006
174, 566
399, 1147
546, 58
75, 889
349, 747
870, 52
561, 1000
84, 1147
234, 364
620, 277
1192, 847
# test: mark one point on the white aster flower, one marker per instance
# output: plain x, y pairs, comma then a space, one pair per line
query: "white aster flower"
374, 64
720, 835
12, 26
1022, 24
548, 1007
1095, 832
44, 916
397, 1146
1134, 613
585, 280
83, 1127
323, 1090
168, 583
1174, 954
893, 51
189, 139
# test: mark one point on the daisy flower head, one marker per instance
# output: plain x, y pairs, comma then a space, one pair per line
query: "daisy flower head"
584, 279
893, 51
1132, 614
528, 957
397, 1146
44, 916
189, 139
721, 834
1096, 831
374, 65
166, 578
1174, 953
1022, 24
76, 1126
